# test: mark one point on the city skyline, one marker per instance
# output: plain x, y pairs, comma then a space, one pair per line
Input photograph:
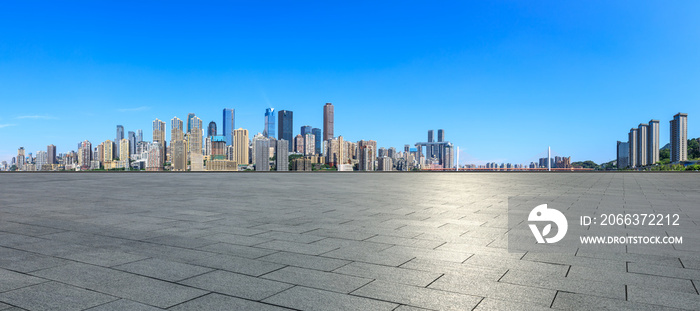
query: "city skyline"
505, 80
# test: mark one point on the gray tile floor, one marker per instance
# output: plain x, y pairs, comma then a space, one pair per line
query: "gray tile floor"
246, 241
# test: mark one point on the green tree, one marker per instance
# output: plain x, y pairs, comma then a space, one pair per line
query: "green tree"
693, 148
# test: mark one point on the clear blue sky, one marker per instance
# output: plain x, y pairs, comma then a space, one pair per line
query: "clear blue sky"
505, 79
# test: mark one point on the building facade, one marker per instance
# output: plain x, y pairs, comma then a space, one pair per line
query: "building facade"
328, 121
679, 138
240, 146
285, 127
228, 125
269, 130
282, 155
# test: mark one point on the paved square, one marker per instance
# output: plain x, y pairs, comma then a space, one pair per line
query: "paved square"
329, 241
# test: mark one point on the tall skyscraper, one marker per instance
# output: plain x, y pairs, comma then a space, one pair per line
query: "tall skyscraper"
211, 130
176, 130
229, 125
317, 142
85, 154
158, 131
21, 160
269, 130
309, 144
441, 135
178, 155
633, 148
642, 144
652, 142
367, 150
285, 126
132, 142
108, 155
139, 136
679, 138
262, 155
240, 146
120, 136
299, 144
328, 121
306, 129
51, 154
430, 149
282, 156
190, 117
623, 157
124, 149
194, 142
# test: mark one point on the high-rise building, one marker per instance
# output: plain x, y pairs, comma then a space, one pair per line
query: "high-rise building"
269, 130
306, 129
429, 149
299, 144
124, 149
108, 153
441, 135
282, 156
120, 136
211, 130
642, 144
285, 126
336, 151
158, 131
176, 130
262, 155
132, 142
229, 126
240, 146
194, 141
51, 154
652, 142
85, 154
328, 121
218, 147
367, 150
41, 159
447, 155
190, 120
139, 136
679, 138
633, 148
155, 157
309, 144
178, 155
317, 142
623, 157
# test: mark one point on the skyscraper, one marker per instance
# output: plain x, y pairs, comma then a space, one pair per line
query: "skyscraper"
108, 155
51, 154
441, 135
623, 157
632, 139
285, 126
328, 121
195, 135
176, 130
139, 136
229, 125
85, 154
20, 158
211, 130
120, 136
132, 142
679, 137
429, 149
367, 152
306, 129
299, 144
309, 144
158, 137
269, 130
158, 131
124, 150
317, 142
652, 142
262, 155
240, 146
282, 156
190, 117
642, 144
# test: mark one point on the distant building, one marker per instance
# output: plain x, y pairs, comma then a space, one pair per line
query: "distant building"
155, 157
328, 123
679, 138
51, 154
211, 130
282, 155
652, 142
299, 144
124, 147
634, 162
385, 164
318, 143
269, 130
240, 147
285, 127
642, 136
132, 142
623, 156
218, 148
306, 129
194, 141
108, 153
302, 164
229, 126
262, 155
367, 150
85, 154
178, 155
309, 144
120, 136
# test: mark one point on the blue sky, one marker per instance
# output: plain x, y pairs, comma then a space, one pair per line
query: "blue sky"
505, 79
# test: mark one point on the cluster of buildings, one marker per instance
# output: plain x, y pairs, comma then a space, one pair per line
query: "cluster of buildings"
192, 147
642, 147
